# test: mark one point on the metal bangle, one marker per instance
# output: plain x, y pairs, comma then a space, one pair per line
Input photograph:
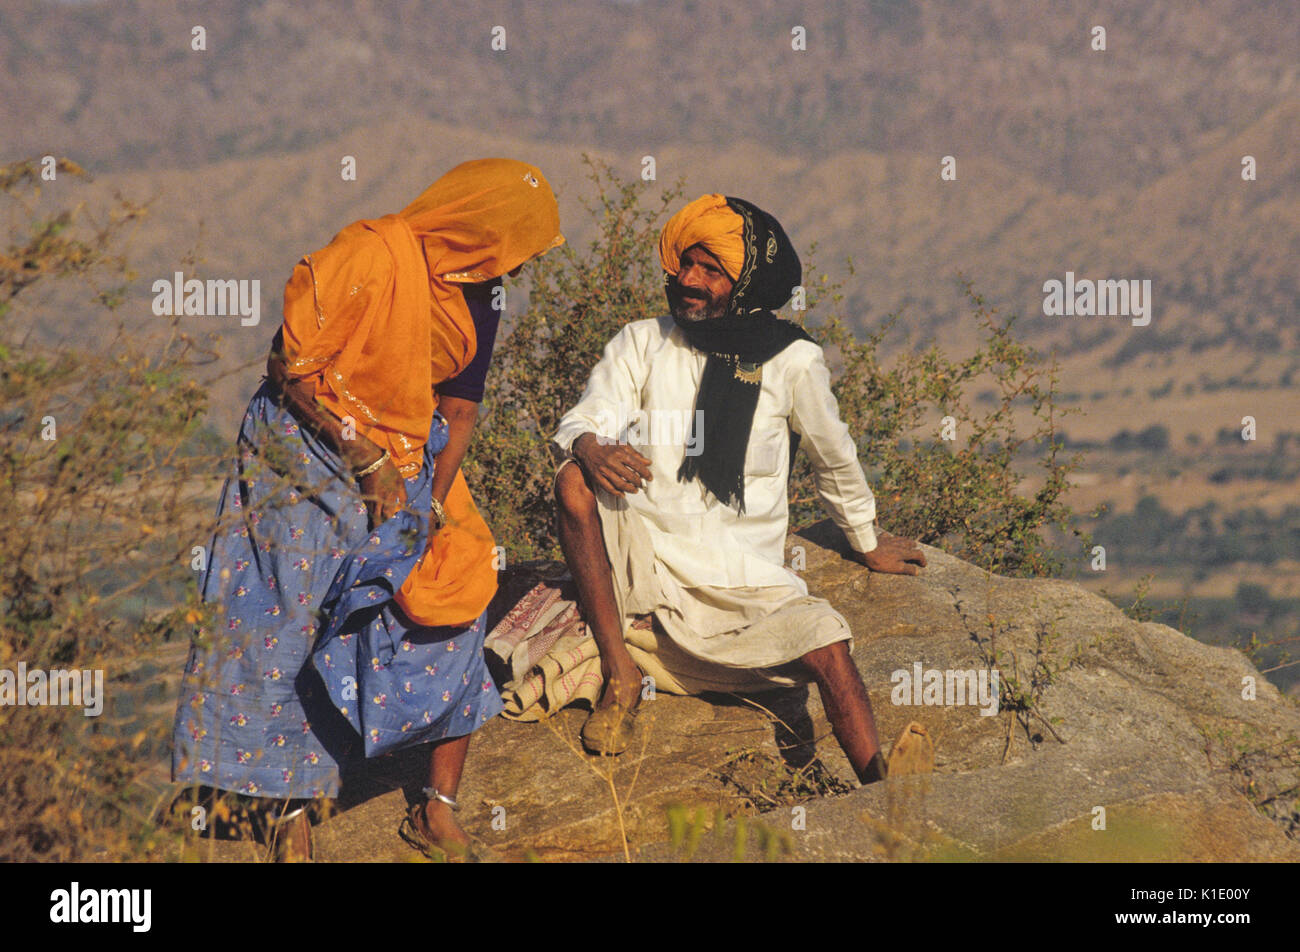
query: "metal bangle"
372, 467
439, 514
431, 793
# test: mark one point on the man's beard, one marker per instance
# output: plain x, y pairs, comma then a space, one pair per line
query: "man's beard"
678, 304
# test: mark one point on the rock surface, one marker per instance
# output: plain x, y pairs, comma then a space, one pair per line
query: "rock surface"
1133, 718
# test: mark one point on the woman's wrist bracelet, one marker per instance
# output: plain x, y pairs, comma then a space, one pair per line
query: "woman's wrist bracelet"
439, 514
361, 474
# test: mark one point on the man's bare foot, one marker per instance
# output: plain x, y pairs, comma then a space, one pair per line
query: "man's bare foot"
913, 752
610, 728
622, 684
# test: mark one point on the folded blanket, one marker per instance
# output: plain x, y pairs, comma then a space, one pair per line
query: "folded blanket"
552, 656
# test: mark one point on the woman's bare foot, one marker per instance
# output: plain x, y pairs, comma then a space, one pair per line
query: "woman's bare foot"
437, 825
288, 835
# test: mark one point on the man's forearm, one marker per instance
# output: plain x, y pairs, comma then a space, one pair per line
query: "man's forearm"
578, 445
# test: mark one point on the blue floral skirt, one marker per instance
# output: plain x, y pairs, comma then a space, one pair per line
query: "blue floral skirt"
310, 666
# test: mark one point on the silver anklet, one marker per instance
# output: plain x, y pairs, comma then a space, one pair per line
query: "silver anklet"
431, 793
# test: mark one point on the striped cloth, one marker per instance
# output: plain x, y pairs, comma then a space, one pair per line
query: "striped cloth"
552, 658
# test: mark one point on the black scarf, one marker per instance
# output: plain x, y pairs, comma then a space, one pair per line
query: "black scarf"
738, 344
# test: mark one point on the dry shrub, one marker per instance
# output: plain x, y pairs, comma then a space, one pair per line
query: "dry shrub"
106, 483
965, 494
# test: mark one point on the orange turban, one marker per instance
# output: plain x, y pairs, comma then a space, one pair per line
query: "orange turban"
710, 222
377, 318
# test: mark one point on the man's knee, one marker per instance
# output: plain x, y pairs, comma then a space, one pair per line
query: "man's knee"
829, 661
572, 493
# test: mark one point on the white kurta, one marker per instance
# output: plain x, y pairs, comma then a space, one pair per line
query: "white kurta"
642, 392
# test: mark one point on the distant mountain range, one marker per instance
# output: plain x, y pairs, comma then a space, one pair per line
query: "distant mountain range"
1116, 164
992, 80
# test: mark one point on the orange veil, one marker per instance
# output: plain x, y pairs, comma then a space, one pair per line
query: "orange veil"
377, 319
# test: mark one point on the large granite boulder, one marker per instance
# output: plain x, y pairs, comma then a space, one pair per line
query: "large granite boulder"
1113, 740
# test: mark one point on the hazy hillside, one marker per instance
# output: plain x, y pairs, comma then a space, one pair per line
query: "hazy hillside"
1218, 257
1115, 164
981, 78
1122, 164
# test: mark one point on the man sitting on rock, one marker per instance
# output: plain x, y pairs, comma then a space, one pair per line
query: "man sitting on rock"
677, 504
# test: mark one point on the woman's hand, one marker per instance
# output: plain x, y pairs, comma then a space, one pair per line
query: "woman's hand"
384, 492
356, 451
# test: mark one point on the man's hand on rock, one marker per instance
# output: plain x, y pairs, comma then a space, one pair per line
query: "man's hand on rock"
894, 555
614, 467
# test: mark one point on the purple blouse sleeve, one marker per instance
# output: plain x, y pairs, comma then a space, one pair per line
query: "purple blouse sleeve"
469, 383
